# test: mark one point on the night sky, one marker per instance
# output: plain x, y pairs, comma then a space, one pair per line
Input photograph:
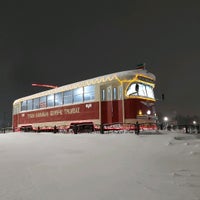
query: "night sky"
61, 42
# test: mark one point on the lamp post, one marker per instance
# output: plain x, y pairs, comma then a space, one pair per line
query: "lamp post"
165, 121
196, 126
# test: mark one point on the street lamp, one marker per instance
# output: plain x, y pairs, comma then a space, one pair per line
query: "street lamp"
165, 120
196, 126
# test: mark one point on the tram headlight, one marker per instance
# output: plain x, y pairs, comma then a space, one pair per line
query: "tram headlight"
148, 112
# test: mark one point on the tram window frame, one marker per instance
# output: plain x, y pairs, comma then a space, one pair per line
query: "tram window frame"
24, 105
89, 93
67, 97
78, 95
149, 91
36, 103
43, 102
144, 90
58, 98
103, 95
30, 104
50, 100
109, 94
114, 93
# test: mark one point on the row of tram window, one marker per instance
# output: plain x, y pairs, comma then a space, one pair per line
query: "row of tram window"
85, 94
77, 95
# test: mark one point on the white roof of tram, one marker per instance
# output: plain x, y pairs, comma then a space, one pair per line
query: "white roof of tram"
123, 75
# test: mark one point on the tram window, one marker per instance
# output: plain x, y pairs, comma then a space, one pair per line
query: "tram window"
67, 97
50, 100
35, 103
43, 102
114, 93
103, 95
132, 90
89, 93
58, 99
78, 95
30, 104
23, 105
142, 90
89, 88
150, 91
108, 93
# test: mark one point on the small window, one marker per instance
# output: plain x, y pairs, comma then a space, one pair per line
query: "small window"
43, 102
67, 97
23, 105
109, 94
35, 103
58, 99
78, 95
29, 104
114, 93
89, 93
50, 100
103, 95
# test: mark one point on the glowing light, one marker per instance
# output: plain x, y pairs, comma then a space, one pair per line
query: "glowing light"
148, 112
165, 119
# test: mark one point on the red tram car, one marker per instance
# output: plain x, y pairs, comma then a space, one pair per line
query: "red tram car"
113, 101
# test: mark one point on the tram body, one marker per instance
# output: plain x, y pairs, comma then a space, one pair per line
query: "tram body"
115, 101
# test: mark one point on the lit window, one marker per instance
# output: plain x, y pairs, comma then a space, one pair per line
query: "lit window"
108, 94
23, 105
103, 95
140, 90
89, 93
43, 102
114, 93
29, 104
58, 99
78, 95
36, 103
50, 100
67, 97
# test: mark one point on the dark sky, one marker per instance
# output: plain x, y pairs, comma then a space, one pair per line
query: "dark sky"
61, 42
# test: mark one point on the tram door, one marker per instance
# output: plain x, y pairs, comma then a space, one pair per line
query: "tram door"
110, 106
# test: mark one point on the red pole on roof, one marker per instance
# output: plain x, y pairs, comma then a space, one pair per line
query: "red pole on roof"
44, 85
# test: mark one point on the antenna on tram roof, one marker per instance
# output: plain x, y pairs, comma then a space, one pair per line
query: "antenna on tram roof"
44, 85
141, 66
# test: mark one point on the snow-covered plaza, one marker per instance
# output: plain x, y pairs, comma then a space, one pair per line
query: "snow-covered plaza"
150, 166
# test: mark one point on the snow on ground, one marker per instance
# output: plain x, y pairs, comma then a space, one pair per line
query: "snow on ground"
150, 166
